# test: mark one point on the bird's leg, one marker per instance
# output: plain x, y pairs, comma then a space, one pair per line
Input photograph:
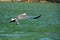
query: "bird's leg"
17, 22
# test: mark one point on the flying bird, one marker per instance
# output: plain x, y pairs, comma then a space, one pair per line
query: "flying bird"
23, 16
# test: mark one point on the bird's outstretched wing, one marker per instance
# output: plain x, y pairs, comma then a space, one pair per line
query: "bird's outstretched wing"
22, 16
37, 17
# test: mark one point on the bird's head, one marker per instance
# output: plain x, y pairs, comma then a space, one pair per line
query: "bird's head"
13, 20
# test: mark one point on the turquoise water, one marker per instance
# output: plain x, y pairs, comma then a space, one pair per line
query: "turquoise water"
47, 27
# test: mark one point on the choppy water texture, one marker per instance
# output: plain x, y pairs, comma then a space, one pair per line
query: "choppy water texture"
47, 27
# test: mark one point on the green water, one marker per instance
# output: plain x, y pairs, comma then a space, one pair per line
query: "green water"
47, 27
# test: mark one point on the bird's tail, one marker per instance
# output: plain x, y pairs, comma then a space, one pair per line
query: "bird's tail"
37, 17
